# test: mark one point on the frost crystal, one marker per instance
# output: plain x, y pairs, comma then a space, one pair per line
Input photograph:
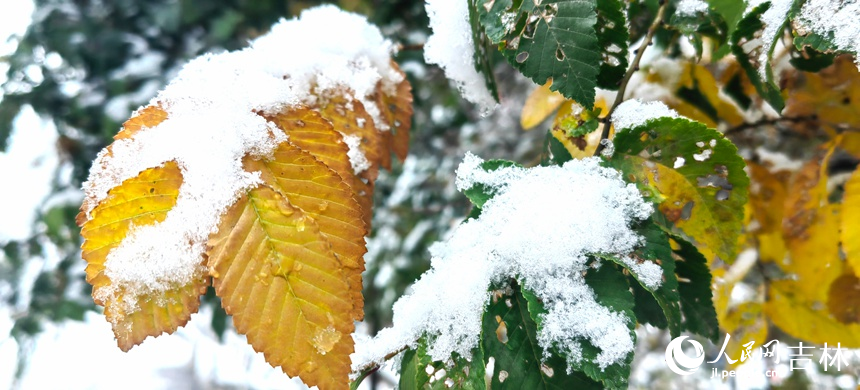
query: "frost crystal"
540, 227
839, 18
452, 48
634, 112
690, 7
212, 123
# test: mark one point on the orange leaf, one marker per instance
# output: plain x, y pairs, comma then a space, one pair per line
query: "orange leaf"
327, 201
277, 276
140, 201
349, 117
397, 114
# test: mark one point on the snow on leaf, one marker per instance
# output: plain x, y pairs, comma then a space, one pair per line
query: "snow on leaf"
285, 288
140, 201
501, 243
761, 25
522, 355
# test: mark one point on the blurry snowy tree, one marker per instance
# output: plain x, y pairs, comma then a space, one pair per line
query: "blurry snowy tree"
725, 152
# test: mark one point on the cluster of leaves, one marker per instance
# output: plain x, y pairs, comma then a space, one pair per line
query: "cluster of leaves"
799, 229
289, 251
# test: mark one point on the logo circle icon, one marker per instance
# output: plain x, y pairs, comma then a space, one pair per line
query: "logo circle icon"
678, 361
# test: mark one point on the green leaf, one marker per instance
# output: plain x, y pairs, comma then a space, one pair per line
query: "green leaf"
816, 53
520, 356
554, 152
481, 57
746, 31
556, 40
412, 374
730, 10
704, 197
612, 37
463, 374
656, 248
697, 301
479, 193
613, 291
703, 24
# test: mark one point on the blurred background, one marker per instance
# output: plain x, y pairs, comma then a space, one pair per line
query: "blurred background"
73, 70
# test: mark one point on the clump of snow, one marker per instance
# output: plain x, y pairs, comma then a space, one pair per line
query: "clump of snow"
452, 48
690, 7
634, 112
679, 162
357, 158
773, 19
212, 123
539, 228
836, 17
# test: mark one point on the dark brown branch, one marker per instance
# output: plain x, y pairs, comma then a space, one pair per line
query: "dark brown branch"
634, 66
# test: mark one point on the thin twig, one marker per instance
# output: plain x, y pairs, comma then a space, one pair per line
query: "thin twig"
769, 122
370, 369
634, 66
410, 47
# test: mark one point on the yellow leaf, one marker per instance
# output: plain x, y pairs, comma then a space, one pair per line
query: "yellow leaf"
140, 201
798, 304
579, 147
697, 77
539, 105
148, 116
744, 322
285, 288
851, 221
831, 95
767, 197
326, 201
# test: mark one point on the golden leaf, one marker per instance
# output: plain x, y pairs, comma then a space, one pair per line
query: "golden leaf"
139, 201
396, 112
744, 322
148, 116
539, 105
851, 221
326, 201
349, 117
844, 299
285, 288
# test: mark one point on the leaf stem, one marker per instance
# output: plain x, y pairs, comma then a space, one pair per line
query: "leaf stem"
634, 66
410, 47
770, 121
374, 367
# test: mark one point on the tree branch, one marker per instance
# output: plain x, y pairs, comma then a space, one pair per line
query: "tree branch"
370, 369
634, 66
770, 121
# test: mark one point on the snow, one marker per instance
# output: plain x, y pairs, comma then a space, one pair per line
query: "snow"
635, 112
679, 162
773, 19
212, 123
839, 18
357, 158
690, 7
452, 48
548, 258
